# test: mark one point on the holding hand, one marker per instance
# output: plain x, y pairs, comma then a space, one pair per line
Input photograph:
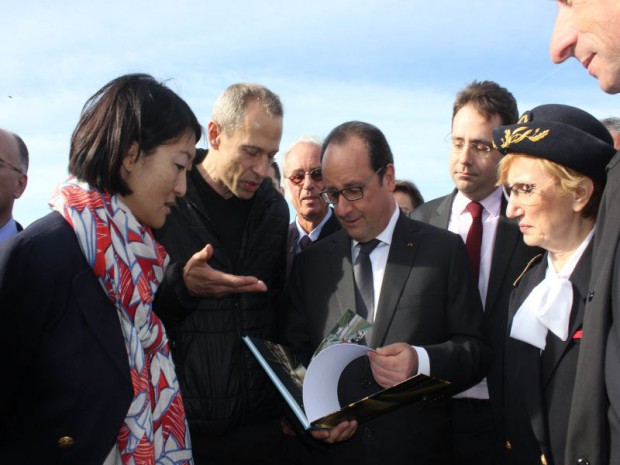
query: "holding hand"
202, 280
393, 364
341, 432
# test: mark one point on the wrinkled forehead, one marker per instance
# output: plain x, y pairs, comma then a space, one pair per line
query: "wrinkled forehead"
304, 156
346, 164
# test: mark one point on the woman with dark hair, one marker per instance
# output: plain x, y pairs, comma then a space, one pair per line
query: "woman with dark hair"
88, 377
553, 173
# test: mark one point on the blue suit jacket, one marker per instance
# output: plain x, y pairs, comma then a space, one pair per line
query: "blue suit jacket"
65, 387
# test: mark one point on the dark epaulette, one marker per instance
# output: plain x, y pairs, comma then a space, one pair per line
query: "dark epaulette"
530, 264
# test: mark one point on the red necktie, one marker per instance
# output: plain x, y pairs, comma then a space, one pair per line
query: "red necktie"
474, 237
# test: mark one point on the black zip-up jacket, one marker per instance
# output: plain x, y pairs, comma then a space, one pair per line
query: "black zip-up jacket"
223, 386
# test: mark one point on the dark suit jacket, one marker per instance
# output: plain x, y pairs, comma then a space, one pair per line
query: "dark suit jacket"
589, 437
510, 257
425, 301
331, 226
65, 370
539, 387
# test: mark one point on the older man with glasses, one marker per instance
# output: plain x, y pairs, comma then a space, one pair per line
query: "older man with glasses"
405, 277
304, 180
476, 210
13, 180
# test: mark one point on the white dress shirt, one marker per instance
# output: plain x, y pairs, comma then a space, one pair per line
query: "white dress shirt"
460, 221
314, 234
378, 260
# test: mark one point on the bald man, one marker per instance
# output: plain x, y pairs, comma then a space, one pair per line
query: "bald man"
13, 180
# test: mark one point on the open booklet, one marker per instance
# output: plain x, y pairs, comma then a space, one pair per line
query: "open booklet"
312, 393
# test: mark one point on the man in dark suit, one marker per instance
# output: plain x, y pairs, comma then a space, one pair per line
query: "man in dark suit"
477, 414
590, 31
304, 180
13, 180
426, 312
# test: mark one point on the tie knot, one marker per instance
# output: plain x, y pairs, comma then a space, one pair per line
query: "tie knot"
366, 248
305, 242
475, 209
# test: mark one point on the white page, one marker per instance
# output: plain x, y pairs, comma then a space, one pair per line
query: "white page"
320, 390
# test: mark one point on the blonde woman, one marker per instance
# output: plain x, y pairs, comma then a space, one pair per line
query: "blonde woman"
553, 173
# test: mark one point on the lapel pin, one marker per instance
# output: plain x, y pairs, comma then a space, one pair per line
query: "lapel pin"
409, 243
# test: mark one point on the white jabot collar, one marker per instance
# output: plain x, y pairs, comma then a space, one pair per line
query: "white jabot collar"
548, 306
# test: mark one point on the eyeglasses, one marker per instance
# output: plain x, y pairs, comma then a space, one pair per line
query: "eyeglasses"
525, 194
351, 193
3, 162
480, 149
315, 174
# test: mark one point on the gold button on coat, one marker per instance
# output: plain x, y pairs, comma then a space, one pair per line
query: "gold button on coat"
508, 445
65, 442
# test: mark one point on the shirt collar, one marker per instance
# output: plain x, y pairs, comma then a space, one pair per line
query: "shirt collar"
492, 203
316, 232
8, 230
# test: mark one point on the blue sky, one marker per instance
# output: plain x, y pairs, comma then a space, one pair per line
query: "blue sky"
396, 64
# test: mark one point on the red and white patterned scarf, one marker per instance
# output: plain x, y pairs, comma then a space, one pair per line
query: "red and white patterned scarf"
130, 265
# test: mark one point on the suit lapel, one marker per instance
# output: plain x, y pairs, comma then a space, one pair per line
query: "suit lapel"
557, 348
291, 243
293, 237
506, 239
527, 360
341, 271
399, 264
441, 216
102, 318
331, 226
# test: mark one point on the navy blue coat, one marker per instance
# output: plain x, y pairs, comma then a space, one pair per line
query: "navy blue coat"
65, 386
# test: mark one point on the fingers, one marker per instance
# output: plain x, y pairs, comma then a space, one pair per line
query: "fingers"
392, 349
393, 364
341, 432
241, 283
203, 255
202, 280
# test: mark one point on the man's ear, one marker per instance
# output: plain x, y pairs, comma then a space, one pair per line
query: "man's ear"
389, 177
131, 157
214, 132
21, 186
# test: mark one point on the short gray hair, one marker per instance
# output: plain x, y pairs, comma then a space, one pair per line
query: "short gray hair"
230, 107
313, 140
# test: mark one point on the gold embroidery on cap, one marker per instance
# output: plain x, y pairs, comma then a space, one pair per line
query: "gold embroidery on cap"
516, 136
525, 118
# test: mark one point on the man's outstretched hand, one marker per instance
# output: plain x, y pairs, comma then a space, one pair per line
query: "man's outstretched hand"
202, 280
